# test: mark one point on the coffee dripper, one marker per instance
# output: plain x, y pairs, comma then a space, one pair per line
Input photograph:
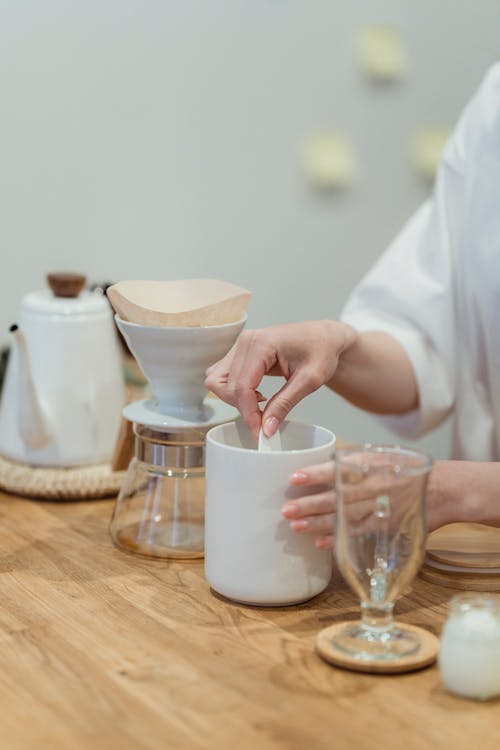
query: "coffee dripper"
161, 506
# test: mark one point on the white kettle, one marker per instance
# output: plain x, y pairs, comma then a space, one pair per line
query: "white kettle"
63, 391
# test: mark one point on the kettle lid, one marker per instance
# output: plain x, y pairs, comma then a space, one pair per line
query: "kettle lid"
66, 296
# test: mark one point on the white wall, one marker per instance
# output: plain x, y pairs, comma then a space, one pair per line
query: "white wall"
162, 138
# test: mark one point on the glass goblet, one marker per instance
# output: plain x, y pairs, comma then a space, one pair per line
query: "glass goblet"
379, 542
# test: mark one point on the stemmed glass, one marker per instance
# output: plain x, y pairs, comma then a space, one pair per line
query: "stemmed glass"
380, 542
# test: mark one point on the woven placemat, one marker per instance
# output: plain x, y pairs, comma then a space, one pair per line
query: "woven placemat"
78, 483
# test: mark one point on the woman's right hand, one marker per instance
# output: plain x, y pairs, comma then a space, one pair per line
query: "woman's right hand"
305, 354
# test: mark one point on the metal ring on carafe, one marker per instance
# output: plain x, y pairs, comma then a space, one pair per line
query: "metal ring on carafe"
184, 449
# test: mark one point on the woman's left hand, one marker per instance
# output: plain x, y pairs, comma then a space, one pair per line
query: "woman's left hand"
313, 513
452, 496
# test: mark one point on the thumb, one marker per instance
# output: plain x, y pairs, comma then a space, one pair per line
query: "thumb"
281, 404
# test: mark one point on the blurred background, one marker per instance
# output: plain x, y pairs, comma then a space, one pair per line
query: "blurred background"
277, 144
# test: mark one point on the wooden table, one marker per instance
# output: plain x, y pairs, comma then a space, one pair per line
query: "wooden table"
100, 649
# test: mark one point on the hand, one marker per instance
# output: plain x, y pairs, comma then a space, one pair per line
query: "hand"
305, 354
314, 512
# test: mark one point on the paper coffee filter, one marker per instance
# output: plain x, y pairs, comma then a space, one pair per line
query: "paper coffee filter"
187, 302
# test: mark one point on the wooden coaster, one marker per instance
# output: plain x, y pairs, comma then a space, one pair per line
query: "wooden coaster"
424, 657
467, 545
453, 578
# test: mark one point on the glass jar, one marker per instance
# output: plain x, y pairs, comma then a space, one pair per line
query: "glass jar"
160, 511
469, 657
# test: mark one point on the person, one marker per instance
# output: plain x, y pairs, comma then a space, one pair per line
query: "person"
418, 340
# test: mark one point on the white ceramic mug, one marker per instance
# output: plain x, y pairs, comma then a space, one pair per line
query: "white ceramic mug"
251, 554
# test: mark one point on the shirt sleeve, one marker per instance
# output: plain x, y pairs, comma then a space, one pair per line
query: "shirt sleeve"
410, 293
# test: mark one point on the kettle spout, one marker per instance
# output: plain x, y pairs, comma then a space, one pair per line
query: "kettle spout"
32, 422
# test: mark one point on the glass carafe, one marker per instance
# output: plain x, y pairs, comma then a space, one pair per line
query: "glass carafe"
160, 510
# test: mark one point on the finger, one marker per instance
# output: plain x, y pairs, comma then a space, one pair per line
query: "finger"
323, 524
374, 487
216, 376
247, 401
356, 512
236, 383
299, 385
248, 369
316, 474
310, 505
325, 542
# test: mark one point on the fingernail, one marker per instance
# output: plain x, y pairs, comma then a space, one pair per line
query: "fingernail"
299, 477
323, 543
299, 525
270, 426
289, 509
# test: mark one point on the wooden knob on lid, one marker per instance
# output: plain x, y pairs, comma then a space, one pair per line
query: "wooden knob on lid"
66, 284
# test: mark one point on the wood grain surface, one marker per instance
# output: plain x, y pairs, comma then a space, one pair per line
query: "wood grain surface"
104, 650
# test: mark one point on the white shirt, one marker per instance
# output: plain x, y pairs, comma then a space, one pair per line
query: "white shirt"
436, 289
